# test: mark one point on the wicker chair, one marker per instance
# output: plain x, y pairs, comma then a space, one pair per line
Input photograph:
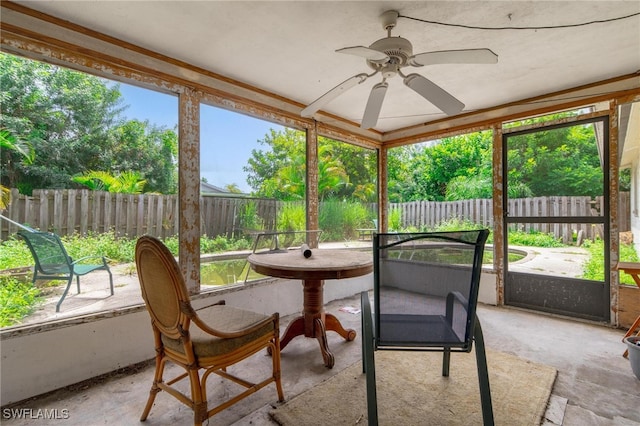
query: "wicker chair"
220, 336
425, 295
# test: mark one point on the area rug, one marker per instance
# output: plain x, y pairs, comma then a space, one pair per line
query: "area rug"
412, 391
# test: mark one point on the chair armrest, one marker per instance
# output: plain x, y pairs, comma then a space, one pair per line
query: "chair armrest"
274, 318
218, 303
77, 261
457, 295
366, 316
450, 299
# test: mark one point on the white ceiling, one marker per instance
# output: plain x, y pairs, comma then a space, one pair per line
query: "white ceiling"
288, 47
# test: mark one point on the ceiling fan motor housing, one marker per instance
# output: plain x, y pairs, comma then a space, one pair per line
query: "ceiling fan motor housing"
398, 49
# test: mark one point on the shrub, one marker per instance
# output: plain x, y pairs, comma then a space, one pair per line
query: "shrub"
340, 219
116, 250
395, 219
534, 239
292, 217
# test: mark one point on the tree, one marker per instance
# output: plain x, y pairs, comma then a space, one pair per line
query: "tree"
560, 161
149, 150
73, 120
125, 182
232, 188
64, 113
10, 144
280, 170
425, 171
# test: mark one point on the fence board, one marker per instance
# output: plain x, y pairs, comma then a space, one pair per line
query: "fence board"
68, 211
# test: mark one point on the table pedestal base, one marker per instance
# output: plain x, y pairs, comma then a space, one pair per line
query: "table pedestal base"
314, 322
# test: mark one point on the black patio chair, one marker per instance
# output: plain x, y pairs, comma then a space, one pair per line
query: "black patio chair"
53, 263
425, 295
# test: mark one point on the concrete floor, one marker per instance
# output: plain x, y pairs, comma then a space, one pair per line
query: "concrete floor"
595, 385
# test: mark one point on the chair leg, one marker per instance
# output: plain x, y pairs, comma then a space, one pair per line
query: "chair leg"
277, 371
483, 376
64, 294
157, 378
198, 396
110, 280
446, 361
78, 282
368, 359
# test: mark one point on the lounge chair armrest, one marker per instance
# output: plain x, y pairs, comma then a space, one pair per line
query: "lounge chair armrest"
77, 261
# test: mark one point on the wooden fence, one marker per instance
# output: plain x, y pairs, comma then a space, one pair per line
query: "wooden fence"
428, 214
80, 211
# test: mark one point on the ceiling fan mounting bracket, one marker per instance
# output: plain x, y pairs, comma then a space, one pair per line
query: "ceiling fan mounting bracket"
389, 20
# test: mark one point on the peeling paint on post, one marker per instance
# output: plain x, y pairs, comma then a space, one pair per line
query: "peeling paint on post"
312, 185
498, 213
383, 195
189, 188
614, 196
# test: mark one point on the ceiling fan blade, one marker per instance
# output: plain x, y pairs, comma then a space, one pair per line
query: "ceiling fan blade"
314, 106
365, 52
374, 104
466, 56
434, 94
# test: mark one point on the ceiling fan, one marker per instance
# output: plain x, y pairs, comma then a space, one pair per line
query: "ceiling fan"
388, 56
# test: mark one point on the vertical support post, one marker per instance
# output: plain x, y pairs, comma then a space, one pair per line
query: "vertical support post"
614, 213
189, 188
383, 192
312, 185
499, 258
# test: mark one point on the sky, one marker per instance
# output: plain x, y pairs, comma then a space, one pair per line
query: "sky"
226, 138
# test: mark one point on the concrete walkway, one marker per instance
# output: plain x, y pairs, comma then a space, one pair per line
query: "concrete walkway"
95, 296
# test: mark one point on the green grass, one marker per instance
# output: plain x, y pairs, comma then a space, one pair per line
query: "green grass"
594, 267
533, 239
17, 300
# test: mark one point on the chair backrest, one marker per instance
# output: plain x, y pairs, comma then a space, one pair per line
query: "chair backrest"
163, 287
426, 288
48, 252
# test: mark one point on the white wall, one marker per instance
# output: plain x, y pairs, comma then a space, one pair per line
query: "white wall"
635, 203
50, 357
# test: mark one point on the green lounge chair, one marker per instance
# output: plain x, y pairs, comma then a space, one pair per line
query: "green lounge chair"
53, 262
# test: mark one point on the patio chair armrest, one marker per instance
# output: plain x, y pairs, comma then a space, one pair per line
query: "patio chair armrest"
366, 318
274, 318
77, 261
457, 295
454, 295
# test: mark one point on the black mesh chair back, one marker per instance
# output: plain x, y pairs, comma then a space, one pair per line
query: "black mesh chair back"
425, 295
427, 288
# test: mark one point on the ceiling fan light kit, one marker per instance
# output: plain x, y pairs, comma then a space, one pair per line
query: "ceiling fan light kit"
388, 56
